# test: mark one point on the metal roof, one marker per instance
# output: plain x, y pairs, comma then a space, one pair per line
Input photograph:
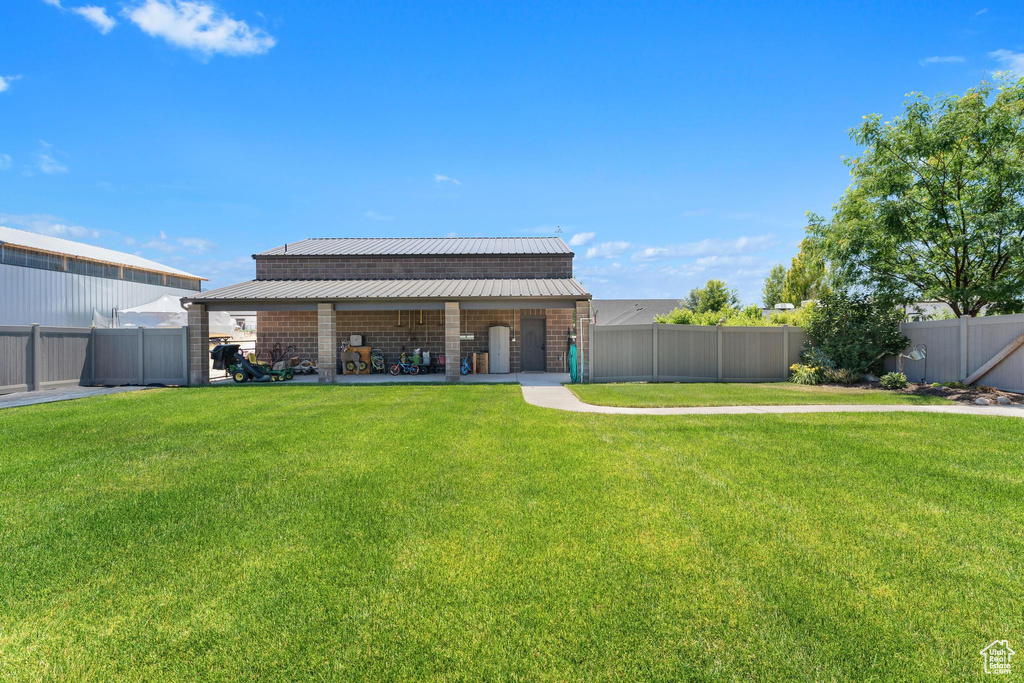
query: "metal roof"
326, 290
420, 246
56, 245
631, 311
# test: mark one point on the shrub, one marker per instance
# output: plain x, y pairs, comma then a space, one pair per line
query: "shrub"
893, 380
855, 332
812, 355
842, 376
806, 374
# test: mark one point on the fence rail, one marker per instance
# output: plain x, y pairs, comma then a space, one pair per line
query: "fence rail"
658, 352
35, 357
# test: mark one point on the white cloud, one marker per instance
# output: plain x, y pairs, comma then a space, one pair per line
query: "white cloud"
712, 246
45, 224
5, 82
374, 216
1011, 61
581, 238
5, 162
97, 16
50, 166
952, 59
983, 10
608, 250
438, 178
196, 245
200, 27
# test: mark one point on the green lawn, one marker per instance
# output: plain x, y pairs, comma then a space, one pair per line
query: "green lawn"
375, 533
640, 395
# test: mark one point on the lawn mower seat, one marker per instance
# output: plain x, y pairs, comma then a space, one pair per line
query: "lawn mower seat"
252, 358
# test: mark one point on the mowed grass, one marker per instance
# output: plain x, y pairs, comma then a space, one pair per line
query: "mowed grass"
380, 533
664, 395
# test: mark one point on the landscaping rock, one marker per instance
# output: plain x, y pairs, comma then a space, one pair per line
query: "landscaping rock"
868, 377
983, 401
1003, 400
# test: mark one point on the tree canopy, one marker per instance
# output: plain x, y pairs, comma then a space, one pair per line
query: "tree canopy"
715, 295
936, 206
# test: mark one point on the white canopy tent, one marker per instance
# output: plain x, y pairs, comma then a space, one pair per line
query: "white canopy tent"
166, 311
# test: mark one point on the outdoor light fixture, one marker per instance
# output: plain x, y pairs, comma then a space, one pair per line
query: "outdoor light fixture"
917, 353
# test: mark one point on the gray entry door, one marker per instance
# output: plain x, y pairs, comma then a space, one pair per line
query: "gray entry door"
532, 353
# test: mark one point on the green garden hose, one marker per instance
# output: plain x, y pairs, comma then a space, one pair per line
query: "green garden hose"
574, 367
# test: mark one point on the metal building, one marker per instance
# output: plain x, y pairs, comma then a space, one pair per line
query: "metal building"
58, 282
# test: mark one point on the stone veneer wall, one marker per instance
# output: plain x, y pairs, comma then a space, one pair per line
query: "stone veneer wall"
412, 267
381, 329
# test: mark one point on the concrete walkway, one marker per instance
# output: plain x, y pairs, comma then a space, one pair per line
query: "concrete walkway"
560, 398
31, 398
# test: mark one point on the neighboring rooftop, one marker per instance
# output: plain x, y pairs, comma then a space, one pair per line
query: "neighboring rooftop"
631, 311
55, 245
320, 290
421, 246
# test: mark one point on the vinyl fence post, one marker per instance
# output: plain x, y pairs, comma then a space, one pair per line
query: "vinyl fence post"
785, 352
142, 356
964, 323
719, 326
654, 351
92, 357
37, 359
184, 355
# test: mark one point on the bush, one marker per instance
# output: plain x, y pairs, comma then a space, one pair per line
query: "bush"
842, 376
812, 355
893, 380
806, 374
855, 332
733, 317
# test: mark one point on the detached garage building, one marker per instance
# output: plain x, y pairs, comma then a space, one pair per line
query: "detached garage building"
442, 295
58, 282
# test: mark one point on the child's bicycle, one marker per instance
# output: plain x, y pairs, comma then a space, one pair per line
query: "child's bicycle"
465, 366
404, 367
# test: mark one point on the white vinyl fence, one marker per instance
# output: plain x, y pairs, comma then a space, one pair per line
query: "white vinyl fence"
35, 357
956, 349
658, 352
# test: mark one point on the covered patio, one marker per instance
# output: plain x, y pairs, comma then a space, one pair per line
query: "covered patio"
450, 318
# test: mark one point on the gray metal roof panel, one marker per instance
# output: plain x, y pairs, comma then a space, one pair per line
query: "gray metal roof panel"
421, 246
294, 290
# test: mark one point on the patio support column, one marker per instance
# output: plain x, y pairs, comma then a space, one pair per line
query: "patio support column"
326, 343
198, 345
583, 338
452, 341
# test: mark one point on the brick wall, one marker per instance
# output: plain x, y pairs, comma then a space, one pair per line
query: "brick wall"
412, 267
384, 330
287, 328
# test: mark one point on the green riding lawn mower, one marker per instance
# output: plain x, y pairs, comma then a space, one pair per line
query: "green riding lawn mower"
242, 369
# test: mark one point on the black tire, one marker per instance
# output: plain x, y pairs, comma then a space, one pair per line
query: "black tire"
395, 369
414, 369
240, 377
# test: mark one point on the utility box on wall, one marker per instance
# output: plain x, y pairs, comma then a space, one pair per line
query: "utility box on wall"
499, 349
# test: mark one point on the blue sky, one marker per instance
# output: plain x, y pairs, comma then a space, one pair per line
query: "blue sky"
671, 142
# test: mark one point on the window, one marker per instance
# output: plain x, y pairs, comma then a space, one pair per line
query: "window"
94, 269
143, 276
183, 282
13, 256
